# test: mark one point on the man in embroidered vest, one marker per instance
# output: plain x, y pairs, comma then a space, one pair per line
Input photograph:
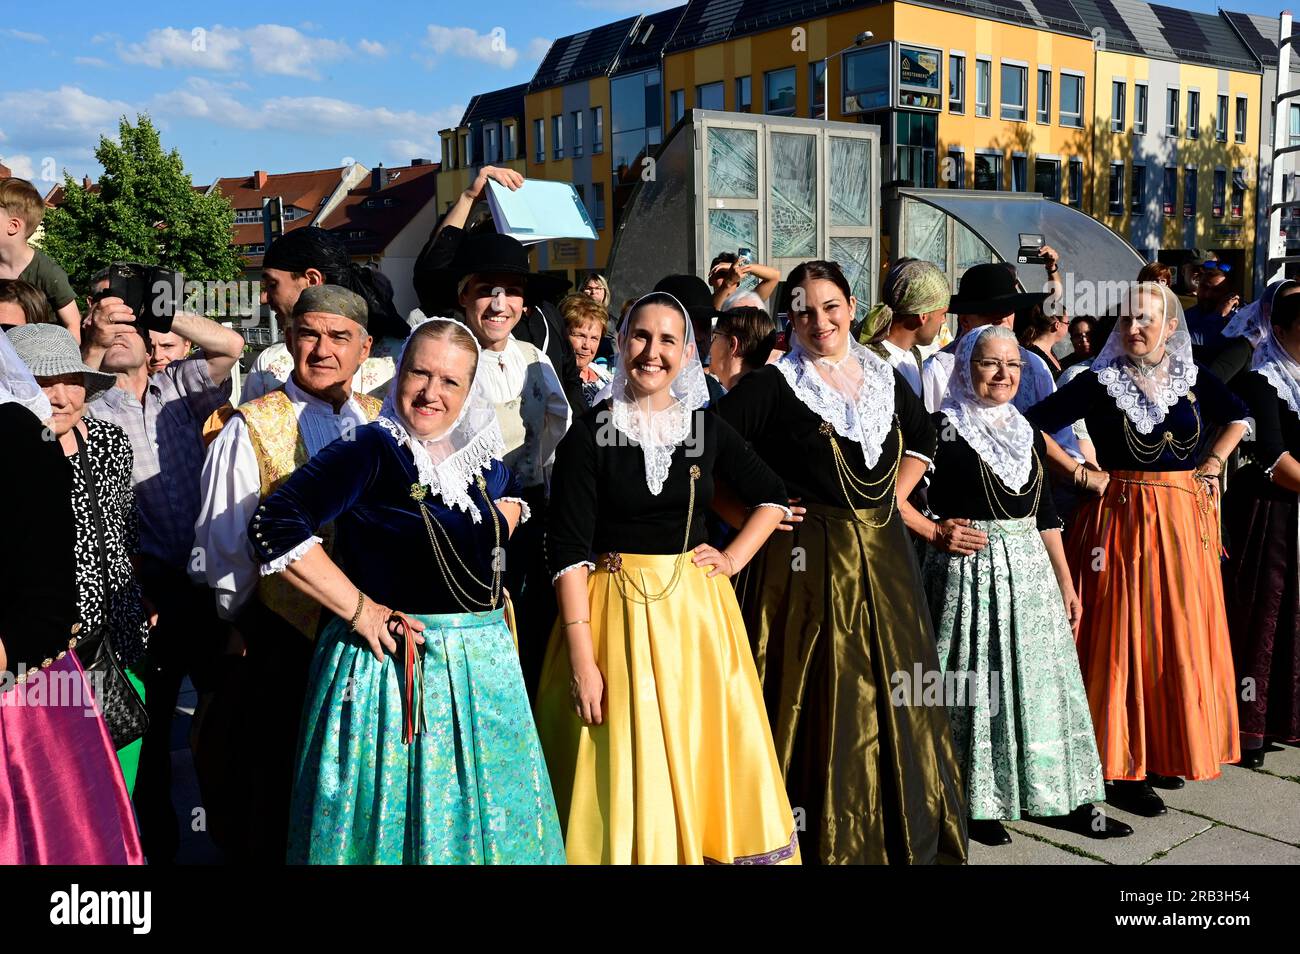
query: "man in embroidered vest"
259, 704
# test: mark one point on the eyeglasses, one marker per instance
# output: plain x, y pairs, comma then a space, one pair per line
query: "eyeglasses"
995, 364
1224, 267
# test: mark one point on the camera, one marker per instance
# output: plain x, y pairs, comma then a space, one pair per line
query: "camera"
153, 293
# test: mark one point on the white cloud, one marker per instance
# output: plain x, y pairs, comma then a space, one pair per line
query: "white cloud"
25, 37
491, 47
20, 166
372, 48
68, 116
89, 61
538, 47
269, 48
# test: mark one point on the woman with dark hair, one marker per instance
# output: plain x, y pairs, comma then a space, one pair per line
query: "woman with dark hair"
1039, 333
1153, 644
835, 610
1085, 334
1248, 329
649, 708
1262, 520
24, 304
417, 743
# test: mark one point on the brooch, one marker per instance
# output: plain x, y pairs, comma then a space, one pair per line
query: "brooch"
695, 471
612, 562
418, 492
481, 481
826, 429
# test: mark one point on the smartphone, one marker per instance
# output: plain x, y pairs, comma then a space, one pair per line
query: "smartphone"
1027, 254
745, 255
151, 292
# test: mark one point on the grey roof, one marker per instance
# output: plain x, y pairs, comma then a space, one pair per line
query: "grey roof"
647, 40
582, 55
1260, 34
498, 104
1167, 33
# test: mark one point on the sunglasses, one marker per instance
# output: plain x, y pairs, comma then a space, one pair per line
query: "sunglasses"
1216, 267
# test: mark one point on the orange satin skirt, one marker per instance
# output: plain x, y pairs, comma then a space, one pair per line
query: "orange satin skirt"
1153, 645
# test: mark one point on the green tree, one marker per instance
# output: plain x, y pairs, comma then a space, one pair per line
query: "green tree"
146, 210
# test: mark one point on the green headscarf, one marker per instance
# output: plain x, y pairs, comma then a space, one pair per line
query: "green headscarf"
911, 287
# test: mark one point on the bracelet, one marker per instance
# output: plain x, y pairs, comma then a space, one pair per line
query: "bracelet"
1078, 482
356, 617
1214, 456
575, 622
1053, 270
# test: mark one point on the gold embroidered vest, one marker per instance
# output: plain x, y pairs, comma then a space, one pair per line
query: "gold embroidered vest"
279, 448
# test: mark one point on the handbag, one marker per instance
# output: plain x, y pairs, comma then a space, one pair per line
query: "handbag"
121, 706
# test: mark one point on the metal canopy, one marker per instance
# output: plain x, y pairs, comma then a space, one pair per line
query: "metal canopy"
1094, 260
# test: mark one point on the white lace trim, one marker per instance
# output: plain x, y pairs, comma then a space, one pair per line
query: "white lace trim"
782, 507
280, 563
1269, 471
525, 511
657, 433
1287, 388
1145, 397
450, 479
869, 421
591, 568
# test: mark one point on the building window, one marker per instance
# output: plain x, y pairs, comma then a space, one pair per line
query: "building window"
1238, 192
466, 153
709, 96
636, 114
1220, 196
247, 216
1221, 120
557, 137
1019, 174
1193, 114
983, 82
577, 133
778, 92
676, 106
956, 171
1137, 196
988, 171
1047, 178
1071, 100
1294, 126
1076, 183
539, 140
1241, 119
956, 83
916, 148
865, 78
1169, 194
491, 144
597, 130
1189, 193
1013, 92
1044, 96
598, 204
1118, 93
1116, 203
817, 89
744, 95
1171, 112
512, 145
1140, 108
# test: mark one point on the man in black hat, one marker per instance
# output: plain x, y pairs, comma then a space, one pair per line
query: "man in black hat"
988, 294
436, 277
694, 294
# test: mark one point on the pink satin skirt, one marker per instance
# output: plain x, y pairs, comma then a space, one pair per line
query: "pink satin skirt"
62, 797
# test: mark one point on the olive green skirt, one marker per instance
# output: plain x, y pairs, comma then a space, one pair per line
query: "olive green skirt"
841, 632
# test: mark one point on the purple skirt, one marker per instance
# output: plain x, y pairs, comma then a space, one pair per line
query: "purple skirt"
1263, 600
62, 798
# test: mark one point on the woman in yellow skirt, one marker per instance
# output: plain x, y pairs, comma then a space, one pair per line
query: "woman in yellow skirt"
649, 710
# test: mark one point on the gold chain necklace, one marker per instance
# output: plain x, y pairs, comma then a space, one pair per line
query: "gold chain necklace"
848, 480
459, 592
614, 562
991, 491
1149, 453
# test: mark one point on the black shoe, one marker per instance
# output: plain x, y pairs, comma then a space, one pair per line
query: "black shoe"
988, 832
1251, 758
1091, 821
1170, 782
1135, 797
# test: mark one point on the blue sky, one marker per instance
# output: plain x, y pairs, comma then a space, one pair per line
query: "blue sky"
283, 88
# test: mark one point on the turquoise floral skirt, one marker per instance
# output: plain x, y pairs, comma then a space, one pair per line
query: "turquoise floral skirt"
472, 788
1020, 718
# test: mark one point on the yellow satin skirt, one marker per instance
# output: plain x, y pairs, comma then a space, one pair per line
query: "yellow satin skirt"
682, 770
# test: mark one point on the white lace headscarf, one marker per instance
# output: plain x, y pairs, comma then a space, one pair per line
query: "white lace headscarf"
449, 463
855, 394
17, 385
657, 433
997, 432
1252, 322
1279, 368
1146, 390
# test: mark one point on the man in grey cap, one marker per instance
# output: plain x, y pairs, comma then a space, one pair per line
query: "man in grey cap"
258, 448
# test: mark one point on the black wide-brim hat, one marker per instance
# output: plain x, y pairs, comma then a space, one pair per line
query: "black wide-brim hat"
694, 294
991, 287
490, 253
